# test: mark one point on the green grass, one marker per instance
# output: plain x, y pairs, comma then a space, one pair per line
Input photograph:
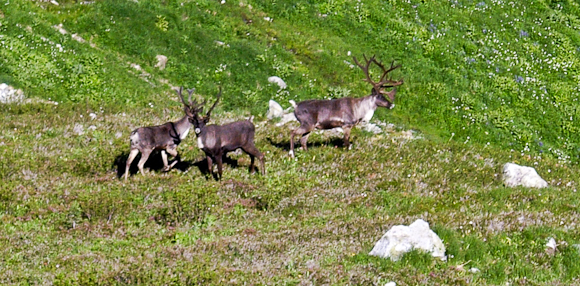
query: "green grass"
313, 219
484, 72
486, 83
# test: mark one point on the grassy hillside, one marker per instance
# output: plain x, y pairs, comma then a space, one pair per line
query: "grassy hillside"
486, 82
499, 72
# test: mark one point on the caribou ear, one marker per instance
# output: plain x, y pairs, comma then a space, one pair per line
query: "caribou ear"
391, 95
205, 119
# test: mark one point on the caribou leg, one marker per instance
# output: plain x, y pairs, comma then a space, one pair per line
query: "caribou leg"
219, 159
299, 131
130, 159
254, 152
164, 158
209, 165
144, 156
173, 152
346, 130
304, 141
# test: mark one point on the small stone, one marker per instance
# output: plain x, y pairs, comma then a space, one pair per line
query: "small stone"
371, 127
60, 29
515, 175
8, 94
136, 66
280, 82
401, 239
78, 129
474, 270
551, 243
275, 110
161, 62
78, 38
551, 246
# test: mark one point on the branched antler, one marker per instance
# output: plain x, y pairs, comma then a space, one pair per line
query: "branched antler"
191, 107
365, 68
383, 82
215, 103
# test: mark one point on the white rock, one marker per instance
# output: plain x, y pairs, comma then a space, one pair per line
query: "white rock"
551, 243
371, 127
60, 29
334, 132
407, 134
516, 175
551, 246
136, 66
161, 62
401, 239
78, 38
92, 128
9, 94
286, 118
391, 284
275, 110
78, 129
280, 82
92, 115
474, 270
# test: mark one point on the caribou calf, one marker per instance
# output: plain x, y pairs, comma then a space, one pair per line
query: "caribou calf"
344, 112
164, 137
217, 140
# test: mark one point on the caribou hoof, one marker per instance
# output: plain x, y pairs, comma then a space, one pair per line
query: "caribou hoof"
166, 169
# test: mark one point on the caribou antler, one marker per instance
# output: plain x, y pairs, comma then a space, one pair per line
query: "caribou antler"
215, 103
191, 107
366, 68
383, 82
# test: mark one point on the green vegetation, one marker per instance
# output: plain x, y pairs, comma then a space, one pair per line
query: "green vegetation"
486, 82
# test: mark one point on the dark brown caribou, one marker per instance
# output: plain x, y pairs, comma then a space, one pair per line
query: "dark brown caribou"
345, 112
164, 137
217, 140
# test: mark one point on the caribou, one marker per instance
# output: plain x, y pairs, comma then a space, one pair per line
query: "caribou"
165, 137
345, 112
217, 140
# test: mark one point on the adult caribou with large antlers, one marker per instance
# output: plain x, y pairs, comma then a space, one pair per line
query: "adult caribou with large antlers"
345, 112
217, 140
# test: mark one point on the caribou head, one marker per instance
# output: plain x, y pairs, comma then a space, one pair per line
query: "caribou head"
383, 97
193, 109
